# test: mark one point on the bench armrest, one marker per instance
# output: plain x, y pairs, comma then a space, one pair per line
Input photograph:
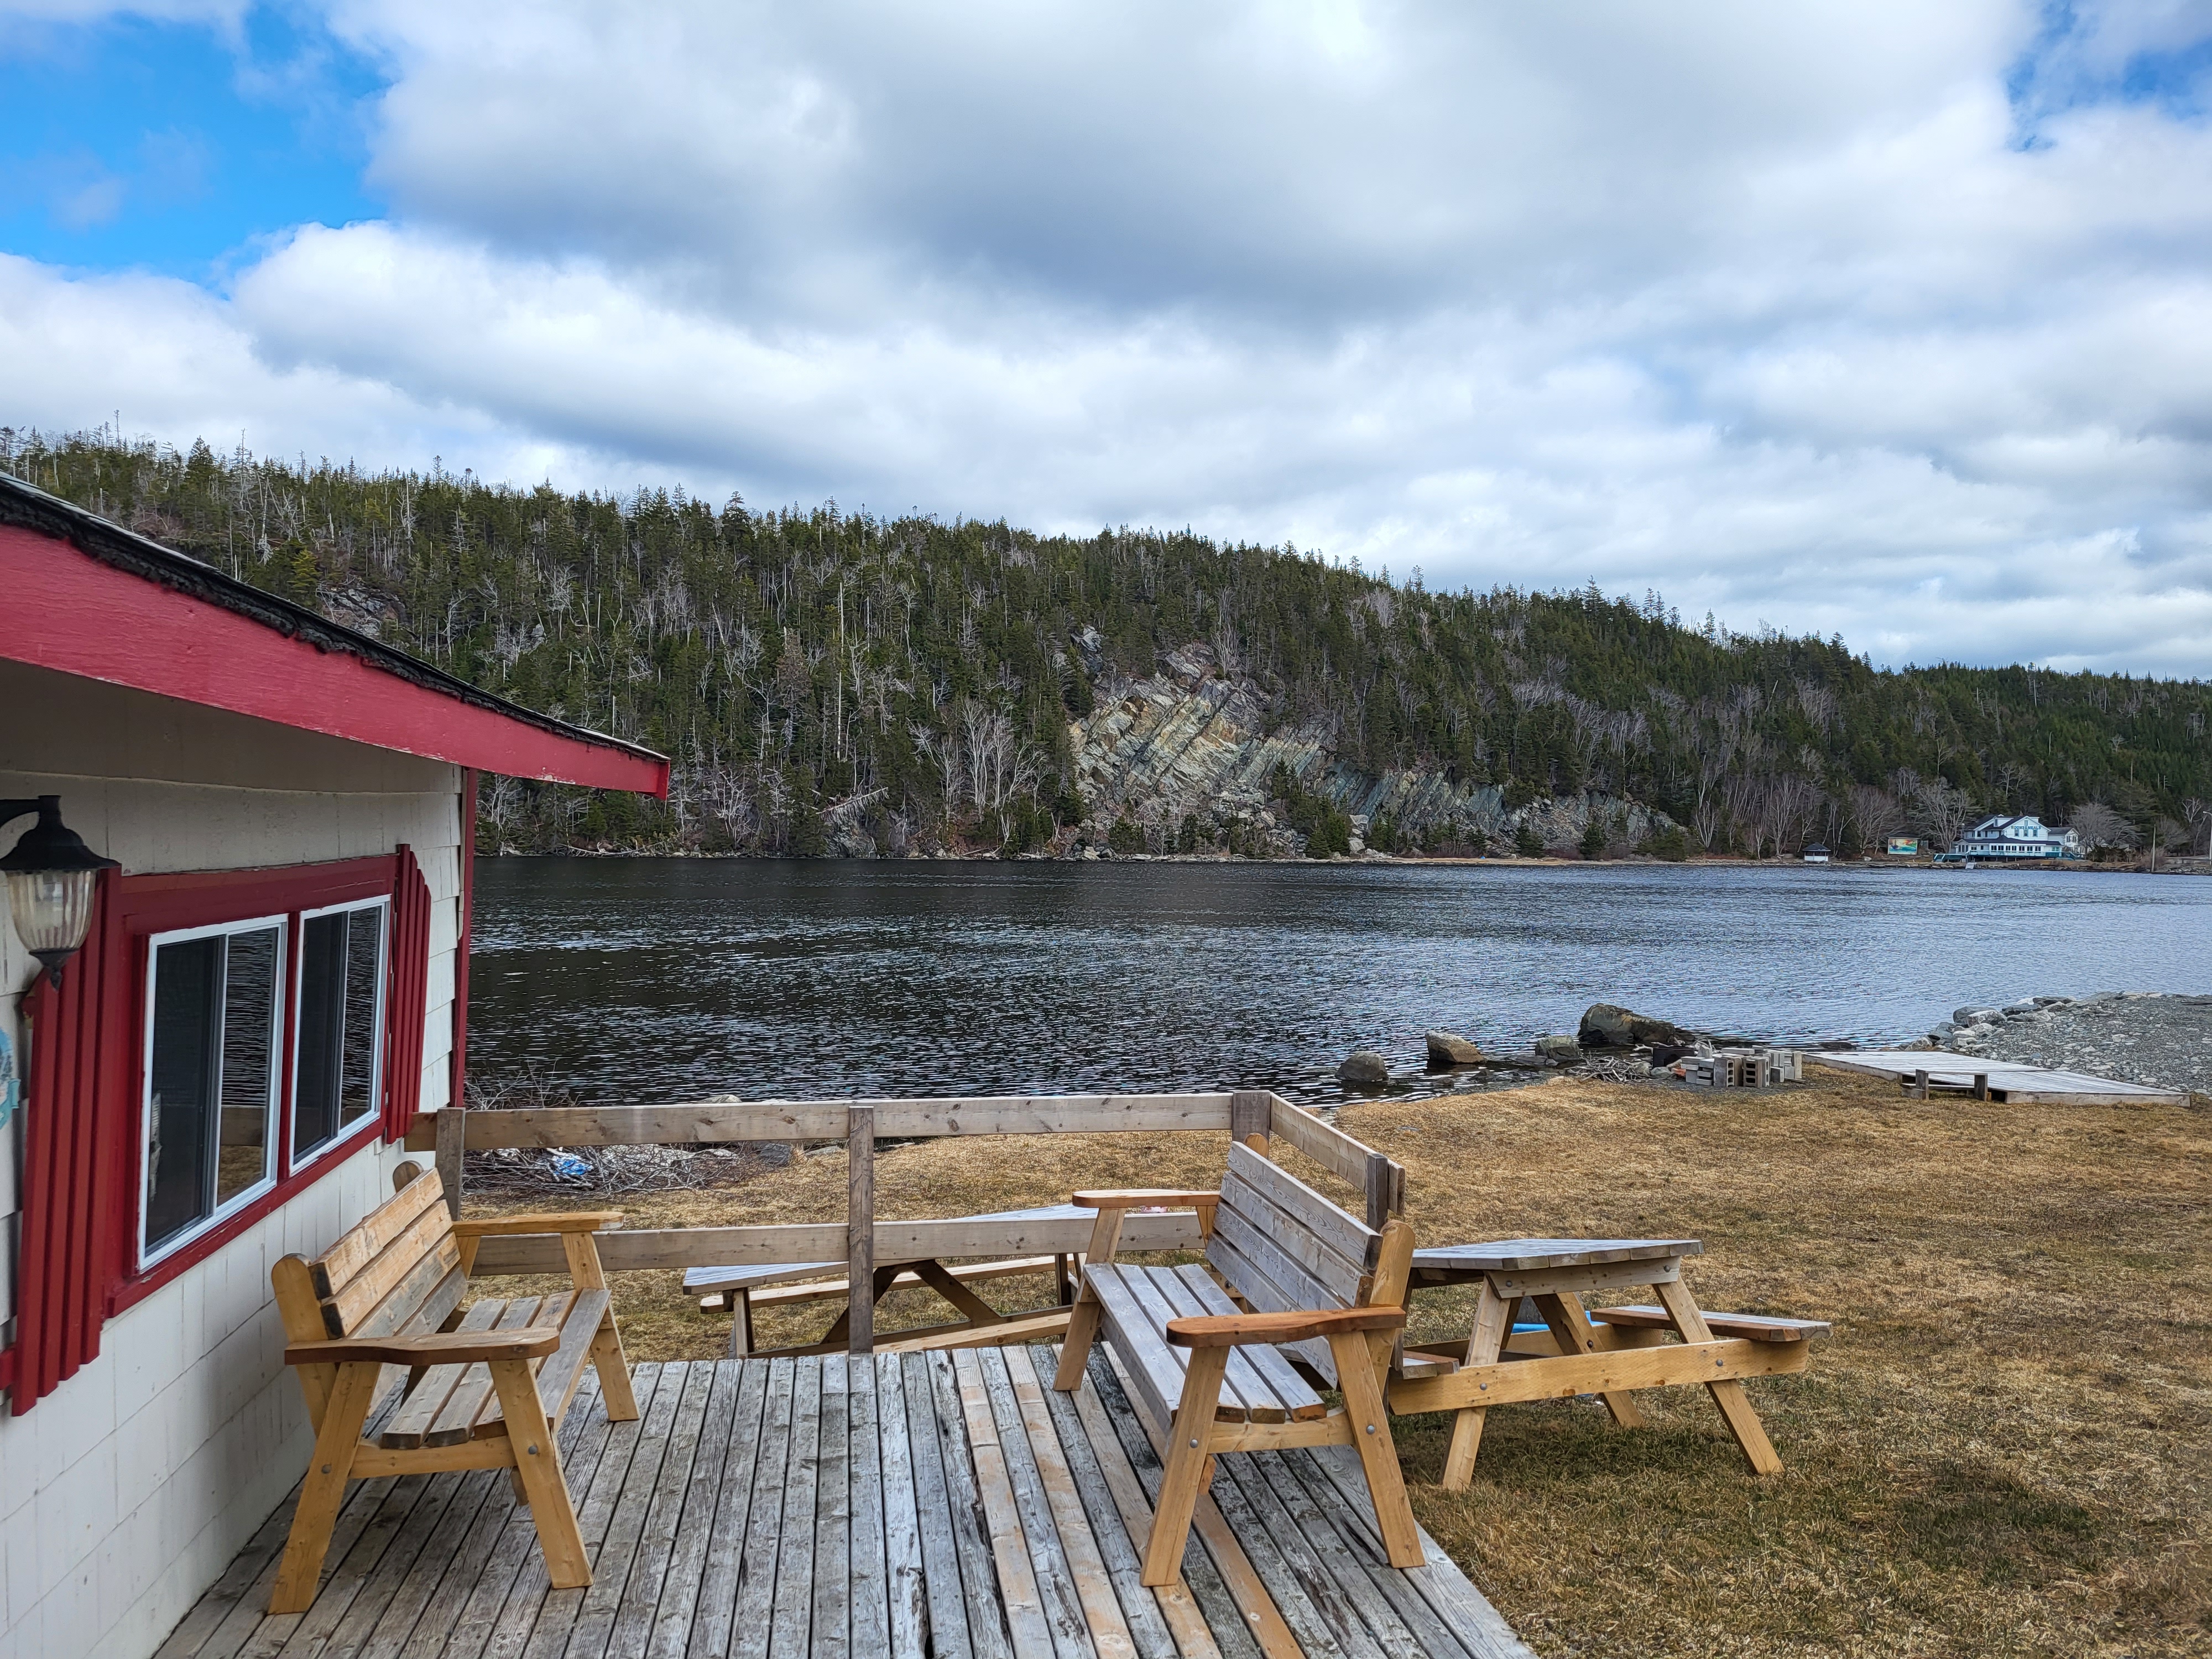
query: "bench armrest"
438, 1348
573, 1221
1239, 1330
1164, 1198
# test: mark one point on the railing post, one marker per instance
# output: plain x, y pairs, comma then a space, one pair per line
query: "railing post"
453, 1137
1386, 1190
1251, 1118
861, 1228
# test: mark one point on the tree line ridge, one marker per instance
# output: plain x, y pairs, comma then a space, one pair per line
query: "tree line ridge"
826, 681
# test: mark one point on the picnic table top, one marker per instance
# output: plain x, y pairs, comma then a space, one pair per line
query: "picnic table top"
760, 1276
1532, 1254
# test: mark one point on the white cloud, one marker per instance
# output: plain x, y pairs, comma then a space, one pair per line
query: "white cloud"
1775, 309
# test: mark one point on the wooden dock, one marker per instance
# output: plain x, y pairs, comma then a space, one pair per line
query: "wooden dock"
2004, 1081
940, 1504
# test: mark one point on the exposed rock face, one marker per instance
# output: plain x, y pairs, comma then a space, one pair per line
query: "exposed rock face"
1449, 1049
1605, 1026
1195, 739
1365, 1067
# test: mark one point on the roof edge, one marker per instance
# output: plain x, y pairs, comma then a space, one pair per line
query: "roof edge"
27, 507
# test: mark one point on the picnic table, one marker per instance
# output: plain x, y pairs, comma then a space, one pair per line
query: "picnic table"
743, 1290
1610, 1351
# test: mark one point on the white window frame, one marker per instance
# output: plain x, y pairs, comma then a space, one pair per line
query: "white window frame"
280, 1037
295, 1159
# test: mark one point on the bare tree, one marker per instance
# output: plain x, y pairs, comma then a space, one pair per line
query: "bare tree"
1874, 813
1000, 766
2099, 825
1943, 810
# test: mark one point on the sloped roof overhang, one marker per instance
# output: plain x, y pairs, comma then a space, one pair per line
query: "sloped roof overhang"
81, 596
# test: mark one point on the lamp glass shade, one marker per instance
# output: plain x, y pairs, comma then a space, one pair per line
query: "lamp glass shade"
52, 910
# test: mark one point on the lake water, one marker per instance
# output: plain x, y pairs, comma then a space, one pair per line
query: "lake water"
643, 979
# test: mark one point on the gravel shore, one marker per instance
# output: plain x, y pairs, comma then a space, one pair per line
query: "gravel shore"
2138, 1037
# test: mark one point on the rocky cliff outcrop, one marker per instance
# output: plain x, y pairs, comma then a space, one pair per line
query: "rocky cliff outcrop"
1193, 739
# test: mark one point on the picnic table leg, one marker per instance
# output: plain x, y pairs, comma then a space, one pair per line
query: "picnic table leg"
1572, 1329
979, 1312
741, 1303
1735, 1405
881, 1280
1493, 1320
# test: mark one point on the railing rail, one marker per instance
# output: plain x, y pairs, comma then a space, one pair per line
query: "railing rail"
862, 1241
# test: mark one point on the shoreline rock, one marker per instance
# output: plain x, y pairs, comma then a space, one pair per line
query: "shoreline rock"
1366, 1067
1449, 1049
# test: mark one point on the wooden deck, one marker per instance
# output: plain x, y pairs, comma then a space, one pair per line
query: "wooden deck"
947, 1504
2009, 1081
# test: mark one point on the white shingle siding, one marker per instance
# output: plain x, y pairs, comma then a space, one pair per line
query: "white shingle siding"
128, 1490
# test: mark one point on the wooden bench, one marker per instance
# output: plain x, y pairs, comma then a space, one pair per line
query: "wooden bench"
1217, 1376
485, 1389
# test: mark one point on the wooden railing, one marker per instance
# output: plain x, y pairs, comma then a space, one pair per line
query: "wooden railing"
862, 1241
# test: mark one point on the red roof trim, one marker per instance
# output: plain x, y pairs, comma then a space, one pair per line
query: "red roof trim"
76, 614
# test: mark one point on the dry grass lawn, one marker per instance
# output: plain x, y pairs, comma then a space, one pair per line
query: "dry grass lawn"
2005, 1450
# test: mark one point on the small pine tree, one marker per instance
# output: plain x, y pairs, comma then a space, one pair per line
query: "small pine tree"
1527, 842
1594, 838
1126, 836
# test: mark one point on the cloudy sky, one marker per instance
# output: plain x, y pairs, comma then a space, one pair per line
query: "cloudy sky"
1893, 319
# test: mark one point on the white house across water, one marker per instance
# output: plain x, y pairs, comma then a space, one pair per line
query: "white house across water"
2012, 840
272, 985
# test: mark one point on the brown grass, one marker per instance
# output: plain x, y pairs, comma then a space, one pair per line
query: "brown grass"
2005, 1450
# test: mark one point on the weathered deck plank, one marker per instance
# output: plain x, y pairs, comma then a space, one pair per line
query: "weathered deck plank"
947, 1504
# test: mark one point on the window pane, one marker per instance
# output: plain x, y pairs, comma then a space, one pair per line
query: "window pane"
364, 963
249, 1060
181, 1073
322, 1031
341, 971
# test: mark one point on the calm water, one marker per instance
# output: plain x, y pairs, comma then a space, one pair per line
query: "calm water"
637, 980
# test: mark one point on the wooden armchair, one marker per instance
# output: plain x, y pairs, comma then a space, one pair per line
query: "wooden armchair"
484, 1389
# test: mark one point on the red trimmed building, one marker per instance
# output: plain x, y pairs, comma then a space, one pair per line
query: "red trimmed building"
273, 984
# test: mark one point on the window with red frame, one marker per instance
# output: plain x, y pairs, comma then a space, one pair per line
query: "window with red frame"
223, 1040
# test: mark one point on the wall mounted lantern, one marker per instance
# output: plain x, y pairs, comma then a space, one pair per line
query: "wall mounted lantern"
51, 874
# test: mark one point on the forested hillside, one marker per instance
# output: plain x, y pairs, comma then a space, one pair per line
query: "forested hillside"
826, 680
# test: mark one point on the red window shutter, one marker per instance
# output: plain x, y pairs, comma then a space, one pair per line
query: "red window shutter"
77, 1138
407, 998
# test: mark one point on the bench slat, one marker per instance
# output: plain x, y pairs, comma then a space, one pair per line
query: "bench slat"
1242, 1380
1307, 1247
337, 1267
1290, 1275
1156, 1309
396, 1264
1266, 1296
411, 1421
1336, 1227
472, 1397
563, 1368
412, 1297
1757, 1328
1295, 1393
1138, 1335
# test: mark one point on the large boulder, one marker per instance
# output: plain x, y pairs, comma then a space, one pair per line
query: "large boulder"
1605, 1026
1365, 1068
1449, 1049
1558, 1045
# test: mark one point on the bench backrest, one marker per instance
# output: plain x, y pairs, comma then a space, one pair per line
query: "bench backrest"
399, 1265
1285, 1249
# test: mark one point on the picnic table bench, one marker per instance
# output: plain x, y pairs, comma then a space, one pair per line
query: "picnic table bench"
1610, 1351
745, 1290
485, 1389
1315, 1282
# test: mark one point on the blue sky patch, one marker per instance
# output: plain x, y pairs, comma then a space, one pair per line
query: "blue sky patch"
130, 143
